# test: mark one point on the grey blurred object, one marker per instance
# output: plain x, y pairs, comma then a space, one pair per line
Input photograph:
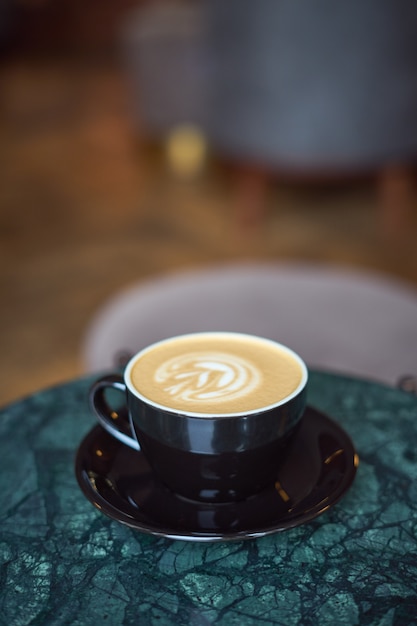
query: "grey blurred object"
164, 46
314, 85
285, 87
352, 322
285, 83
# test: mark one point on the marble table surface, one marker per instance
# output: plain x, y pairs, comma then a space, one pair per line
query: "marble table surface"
64, 562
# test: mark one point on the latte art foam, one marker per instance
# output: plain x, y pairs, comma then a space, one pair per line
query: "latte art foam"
207, 377
218, 374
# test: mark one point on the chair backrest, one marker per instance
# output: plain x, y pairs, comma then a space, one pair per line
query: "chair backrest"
350, 322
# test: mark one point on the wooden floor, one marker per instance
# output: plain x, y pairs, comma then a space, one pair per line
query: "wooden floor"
85, 211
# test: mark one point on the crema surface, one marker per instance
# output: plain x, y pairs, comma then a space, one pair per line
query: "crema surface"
215, 373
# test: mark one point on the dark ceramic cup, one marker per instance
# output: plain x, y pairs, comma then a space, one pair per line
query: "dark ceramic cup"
211, 412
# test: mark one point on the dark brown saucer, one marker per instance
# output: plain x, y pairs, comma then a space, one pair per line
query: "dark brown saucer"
320, 467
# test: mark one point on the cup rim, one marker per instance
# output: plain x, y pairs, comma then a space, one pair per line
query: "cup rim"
201, 414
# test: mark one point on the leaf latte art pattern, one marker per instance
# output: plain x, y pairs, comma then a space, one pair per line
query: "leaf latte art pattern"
207, 376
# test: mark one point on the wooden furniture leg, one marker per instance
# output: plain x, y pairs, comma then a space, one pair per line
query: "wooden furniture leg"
250, 197
396, 191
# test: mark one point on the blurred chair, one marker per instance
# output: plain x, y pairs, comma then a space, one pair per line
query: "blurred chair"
286, 88
357, 323
316, 91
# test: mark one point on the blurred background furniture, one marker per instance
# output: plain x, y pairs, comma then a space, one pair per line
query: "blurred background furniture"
316, 91
324, 88
285, 89
350, 322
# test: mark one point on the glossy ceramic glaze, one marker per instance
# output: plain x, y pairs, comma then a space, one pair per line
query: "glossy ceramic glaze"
210, 458
320, 466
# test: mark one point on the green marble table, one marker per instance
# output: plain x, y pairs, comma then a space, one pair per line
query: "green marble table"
63, 562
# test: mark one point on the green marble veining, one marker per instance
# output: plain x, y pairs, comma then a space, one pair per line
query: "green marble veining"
63, 562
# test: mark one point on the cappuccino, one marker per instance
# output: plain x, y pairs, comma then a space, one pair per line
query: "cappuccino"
213, 413
216, 373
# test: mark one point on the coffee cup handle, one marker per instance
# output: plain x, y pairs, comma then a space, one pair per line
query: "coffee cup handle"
117, 423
